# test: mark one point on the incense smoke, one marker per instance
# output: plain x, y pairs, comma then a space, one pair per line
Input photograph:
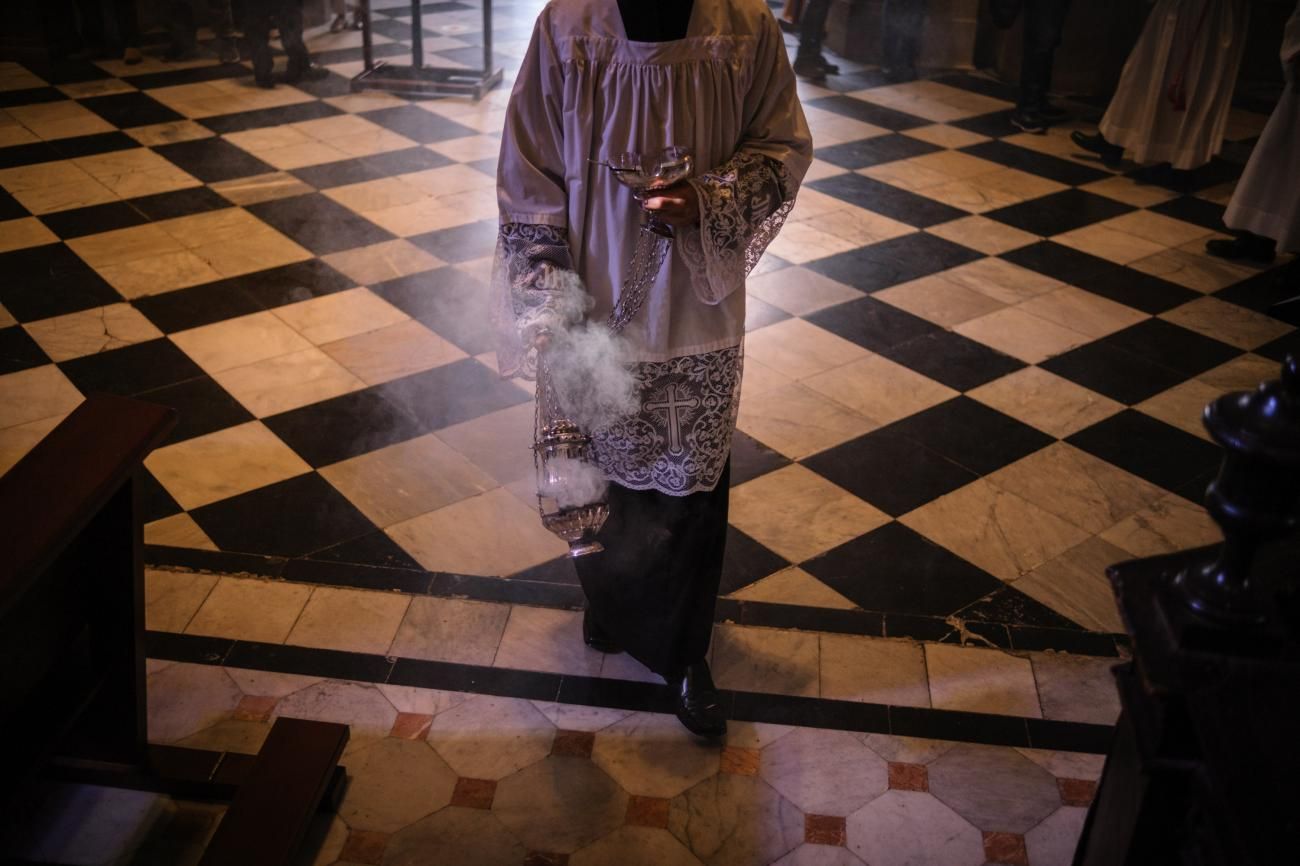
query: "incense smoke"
583, 483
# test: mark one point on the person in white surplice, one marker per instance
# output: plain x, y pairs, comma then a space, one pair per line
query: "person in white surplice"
1171, 105
603, 78
1265, 207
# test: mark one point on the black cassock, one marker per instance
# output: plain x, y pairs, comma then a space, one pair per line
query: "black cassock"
654, 588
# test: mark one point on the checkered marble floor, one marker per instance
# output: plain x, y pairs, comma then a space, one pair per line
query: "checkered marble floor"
974, 374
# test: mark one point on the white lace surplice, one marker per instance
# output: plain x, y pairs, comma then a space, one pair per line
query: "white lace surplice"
585, 93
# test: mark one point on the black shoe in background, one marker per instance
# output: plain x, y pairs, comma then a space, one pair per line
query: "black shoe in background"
699, 706
1029, 121
1111, 154
304, 71
1247, 245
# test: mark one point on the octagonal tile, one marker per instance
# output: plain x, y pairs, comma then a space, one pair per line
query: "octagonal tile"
906, 750
269, 683
395, 783
905, 828
1052, 842
231, 735
184, 699
363, 708
994, 788
560, 804
635, 846
572, 717
466, 837
736, 821
490, 738
824, 772
653, 755
1067, 765
427, 702
820, 855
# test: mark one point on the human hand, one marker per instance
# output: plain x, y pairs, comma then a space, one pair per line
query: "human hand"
679, 206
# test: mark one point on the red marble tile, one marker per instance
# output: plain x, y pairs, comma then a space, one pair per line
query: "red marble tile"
573, 744
364, 846
411, 726
824, 830
908, 777
740, 762
647, 811
255, 708
1077, 792
474, 793
1005, 849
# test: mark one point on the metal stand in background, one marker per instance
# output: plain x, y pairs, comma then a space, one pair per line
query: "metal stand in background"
418, 79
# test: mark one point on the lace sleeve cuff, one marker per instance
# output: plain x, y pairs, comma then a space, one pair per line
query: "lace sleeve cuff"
743, 205
534, 290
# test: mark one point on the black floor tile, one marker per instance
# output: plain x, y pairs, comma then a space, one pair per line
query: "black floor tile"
68, 70
1148, 448
892, 472
1059, 212
198, 305
375, 549
896, 570
289, 284
1113, 372
195, 75
406, 161
179, 203
91, 145
202, 406
448, 300
290, 518
18, 351
30, 96
125, 110
1007, 604
559, 570
1282, 347
132, 369
1042, 164
868, 112
898, 260
320, 224
341, 173
153, 500
77, 222
343, 427
262, 117
451, 394
971, 434
461, 243
1194, 210
212, 160
352, 55
851, 82
487, 166
419, 125
760, 314
1107, 279
332, 85
891, 201
1003, 90
995, 124
751, 458
27, 154
874, 151
953, 360
50, 280
10, 209
872, 324
1172, 346
1274, 292
746, 561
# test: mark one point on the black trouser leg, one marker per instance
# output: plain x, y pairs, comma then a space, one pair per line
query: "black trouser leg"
257, 29
288, 16
902, 32
813, 28
1044, 21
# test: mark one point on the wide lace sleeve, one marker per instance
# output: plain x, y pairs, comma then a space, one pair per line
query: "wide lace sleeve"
745, 201
534, 287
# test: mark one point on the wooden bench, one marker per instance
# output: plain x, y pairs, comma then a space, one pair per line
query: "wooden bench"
72, 665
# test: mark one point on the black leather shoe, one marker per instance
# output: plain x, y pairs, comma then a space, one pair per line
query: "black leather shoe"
1110, 154
1245, 246
814, 68
595, 637
699, 706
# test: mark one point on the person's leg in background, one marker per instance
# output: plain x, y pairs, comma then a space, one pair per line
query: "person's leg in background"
288, 17
901, 42
222, 17
790, 14
127, 25
1044, 22
257, 30
809, 61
